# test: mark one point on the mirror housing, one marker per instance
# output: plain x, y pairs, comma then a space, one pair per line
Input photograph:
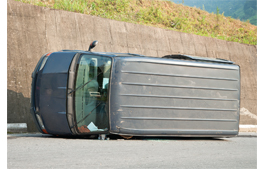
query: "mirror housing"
92, 45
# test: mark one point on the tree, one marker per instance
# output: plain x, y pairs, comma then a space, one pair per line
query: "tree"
250, 8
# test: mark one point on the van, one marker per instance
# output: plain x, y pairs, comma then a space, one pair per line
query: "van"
82, 93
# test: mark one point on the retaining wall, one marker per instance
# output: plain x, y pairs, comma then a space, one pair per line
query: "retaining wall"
33, 31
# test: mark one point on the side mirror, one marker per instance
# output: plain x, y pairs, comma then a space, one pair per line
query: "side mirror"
92, 45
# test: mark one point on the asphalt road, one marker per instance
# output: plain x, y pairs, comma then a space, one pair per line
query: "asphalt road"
37, 151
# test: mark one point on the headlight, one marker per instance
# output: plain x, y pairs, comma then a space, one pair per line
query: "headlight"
41, 124
44, 61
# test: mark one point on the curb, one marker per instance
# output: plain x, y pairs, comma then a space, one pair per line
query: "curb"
247, 134
17, 127
248, 128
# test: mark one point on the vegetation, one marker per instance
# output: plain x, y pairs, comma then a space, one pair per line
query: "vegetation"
164, 14
238, 9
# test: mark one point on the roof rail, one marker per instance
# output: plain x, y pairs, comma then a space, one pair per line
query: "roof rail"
197, 58
67, 50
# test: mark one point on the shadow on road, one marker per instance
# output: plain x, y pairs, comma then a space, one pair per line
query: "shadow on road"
116, 137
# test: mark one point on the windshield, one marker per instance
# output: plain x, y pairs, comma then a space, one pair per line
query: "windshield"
91, 94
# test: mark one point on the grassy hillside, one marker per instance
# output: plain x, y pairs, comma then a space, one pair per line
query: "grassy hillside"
164, 14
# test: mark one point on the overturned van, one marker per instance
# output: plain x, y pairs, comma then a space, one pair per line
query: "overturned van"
89, 93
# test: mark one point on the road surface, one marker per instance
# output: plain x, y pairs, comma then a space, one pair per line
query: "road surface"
45, 151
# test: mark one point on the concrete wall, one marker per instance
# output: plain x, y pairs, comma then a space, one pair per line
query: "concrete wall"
33, 31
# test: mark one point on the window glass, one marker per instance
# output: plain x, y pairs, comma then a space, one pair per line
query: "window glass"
91, 95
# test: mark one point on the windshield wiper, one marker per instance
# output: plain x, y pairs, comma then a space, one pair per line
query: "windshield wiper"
86, 115
83, 85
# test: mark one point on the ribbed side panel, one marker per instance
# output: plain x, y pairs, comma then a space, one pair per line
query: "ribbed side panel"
175, 98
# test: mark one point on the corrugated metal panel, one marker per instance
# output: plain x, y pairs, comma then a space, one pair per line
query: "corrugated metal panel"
153, 96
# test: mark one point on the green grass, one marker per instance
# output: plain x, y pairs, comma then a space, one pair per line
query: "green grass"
164, 14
